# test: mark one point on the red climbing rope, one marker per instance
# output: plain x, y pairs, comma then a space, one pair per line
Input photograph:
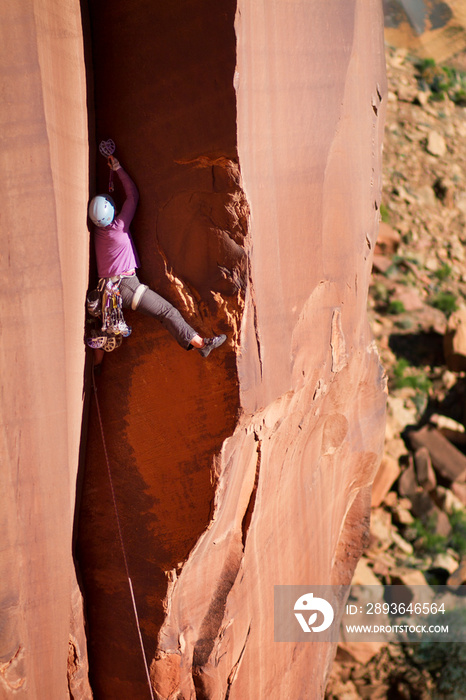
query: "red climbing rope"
120, 534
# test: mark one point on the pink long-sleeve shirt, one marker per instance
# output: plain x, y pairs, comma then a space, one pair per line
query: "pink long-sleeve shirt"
114, 246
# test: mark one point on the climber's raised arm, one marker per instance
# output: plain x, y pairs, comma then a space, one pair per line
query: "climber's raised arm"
131, 192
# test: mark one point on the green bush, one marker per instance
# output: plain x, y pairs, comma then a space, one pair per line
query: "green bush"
445, 661
416, 379
457, 539
443, 272
426, 63
445, 302
442, 81
427, 540
401, 269
384, 213
459, 97
396, 307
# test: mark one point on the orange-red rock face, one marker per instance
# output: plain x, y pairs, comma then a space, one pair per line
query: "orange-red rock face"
44, 259
294, 488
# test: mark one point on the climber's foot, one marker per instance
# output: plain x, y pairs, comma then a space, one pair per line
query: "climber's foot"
210, 344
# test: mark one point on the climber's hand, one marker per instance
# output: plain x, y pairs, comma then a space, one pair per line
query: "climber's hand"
113, 163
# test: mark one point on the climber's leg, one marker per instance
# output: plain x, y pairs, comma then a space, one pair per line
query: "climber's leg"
141, 298
152, 304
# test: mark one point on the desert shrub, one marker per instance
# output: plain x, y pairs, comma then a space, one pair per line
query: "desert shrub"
384, 213
459, 97
445, 302
457, 540
445, 661
442, 81
427, 540
407, 376
443, 272
396, 307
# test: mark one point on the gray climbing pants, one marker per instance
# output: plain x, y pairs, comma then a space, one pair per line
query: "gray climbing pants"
152, 304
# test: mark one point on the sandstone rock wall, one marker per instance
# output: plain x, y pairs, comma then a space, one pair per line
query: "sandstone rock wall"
44, 256
293, 496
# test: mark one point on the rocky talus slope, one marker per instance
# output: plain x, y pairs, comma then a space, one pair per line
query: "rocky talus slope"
418, 314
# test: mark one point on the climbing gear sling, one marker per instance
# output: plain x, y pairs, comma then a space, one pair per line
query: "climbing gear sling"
113, 321
105, 303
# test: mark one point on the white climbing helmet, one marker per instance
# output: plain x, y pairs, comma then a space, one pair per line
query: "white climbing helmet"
102, 210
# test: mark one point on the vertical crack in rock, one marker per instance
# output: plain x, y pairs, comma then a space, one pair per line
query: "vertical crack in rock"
255, 315
256, 332
252, 499
234, 670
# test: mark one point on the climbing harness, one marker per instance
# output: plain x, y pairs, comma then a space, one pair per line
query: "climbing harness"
107, 149
106, 305
122, 544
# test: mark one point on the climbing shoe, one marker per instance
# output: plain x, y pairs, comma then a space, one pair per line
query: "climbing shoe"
210, 344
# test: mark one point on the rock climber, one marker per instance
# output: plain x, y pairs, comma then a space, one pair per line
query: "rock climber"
117, 259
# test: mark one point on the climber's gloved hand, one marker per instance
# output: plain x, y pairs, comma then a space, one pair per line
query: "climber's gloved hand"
113, 163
